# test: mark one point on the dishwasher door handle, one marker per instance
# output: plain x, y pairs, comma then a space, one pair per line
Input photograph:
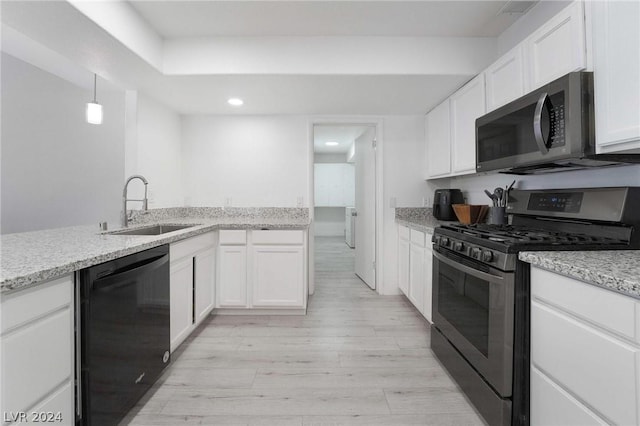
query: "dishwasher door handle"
122, 277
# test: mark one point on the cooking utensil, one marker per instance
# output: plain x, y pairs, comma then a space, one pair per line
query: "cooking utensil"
498, 192
490, 195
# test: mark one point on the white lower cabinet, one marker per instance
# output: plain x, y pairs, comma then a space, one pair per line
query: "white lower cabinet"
232, 277
403, 259
192, 285
37, 352
278, 272
262, 269
428, 279
415, 267
181, 300
585, 353
416, 276
205, 289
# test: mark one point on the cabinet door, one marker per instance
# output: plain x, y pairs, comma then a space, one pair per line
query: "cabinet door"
278, 276
557, 47
428, 280
403, 265
204, 283
232, 277
467, 104
37, 349
181, 302
504, 79
616, 74
438, 141
416, 276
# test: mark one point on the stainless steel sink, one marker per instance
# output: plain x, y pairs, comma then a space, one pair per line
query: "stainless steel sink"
152, 230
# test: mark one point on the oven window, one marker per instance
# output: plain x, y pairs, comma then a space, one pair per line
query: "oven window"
464, 301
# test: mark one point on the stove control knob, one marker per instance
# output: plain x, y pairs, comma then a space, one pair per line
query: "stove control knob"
475, 253
487, 256
458, 246
444, 241
436, 240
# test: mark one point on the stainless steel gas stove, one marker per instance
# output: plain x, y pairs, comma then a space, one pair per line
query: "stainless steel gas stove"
481, 289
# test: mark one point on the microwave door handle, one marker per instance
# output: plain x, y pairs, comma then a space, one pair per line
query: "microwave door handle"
537, 123
464, 268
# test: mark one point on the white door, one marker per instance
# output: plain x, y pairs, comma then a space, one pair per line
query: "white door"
365, 164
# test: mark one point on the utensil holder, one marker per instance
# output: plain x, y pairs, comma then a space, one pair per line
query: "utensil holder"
497, 216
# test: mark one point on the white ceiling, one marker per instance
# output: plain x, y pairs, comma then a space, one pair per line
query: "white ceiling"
176, 19
345, 135
378, 90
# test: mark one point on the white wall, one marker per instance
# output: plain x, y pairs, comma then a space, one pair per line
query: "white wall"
473, 186
403, 156
256, 161
57, 170
154, 150
329, 221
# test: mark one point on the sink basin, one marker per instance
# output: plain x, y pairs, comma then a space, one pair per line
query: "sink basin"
152, 230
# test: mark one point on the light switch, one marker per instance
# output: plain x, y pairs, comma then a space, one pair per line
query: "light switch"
392, 202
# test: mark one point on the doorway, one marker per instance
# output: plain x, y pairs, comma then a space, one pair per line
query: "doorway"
344, 207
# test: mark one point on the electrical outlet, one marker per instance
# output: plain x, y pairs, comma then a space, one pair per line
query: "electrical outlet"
227, 202
300, 201
393, 202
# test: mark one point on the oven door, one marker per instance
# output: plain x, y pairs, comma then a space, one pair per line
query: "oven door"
473, 307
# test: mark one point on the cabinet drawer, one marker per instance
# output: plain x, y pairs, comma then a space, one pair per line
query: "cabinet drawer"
190, 246
233, 237
36, 358
552, 406
599, 370
278, 237
605, 308
404, 232
59, 404
24, 306
417, 237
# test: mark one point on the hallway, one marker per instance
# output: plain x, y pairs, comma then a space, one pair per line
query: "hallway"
356, 358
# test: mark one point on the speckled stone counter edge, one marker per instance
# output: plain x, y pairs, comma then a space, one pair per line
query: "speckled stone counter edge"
418, 218
229, 218
617, 271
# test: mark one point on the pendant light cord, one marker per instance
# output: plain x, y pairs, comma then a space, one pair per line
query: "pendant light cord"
95, 79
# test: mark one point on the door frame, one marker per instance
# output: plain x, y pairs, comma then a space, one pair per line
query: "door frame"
376, 122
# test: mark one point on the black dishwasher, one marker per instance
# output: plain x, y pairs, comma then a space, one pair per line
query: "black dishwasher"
122, 334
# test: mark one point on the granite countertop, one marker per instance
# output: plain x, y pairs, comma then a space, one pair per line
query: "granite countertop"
31, 257
418, 218
617, 270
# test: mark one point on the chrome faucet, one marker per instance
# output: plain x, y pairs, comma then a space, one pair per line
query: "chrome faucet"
125, 217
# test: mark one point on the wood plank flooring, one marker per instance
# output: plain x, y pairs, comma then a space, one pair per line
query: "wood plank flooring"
356, 358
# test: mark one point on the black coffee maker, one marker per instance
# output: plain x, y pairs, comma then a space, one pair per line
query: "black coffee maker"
442, 201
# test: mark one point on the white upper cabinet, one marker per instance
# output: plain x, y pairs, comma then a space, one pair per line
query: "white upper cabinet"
466, 105
438, 141
557, 47
504, 79
616, 73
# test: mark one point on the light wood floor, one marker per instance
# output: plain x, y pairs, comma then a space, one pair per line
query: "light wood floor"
356, 358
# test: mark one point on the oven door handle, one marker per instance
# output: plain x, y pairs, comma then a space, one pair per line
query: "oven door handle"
464, 268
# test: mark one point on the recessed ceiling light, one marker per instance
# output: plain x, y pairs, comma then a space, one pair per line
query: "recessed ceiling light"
331, 143
235, 101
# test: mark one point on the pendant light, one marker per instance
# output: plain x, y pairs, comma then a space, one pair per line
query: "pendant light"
94, 109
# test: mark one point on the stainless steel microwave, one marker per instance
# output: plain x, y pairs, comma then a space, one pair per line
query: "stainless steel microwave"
548, 130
